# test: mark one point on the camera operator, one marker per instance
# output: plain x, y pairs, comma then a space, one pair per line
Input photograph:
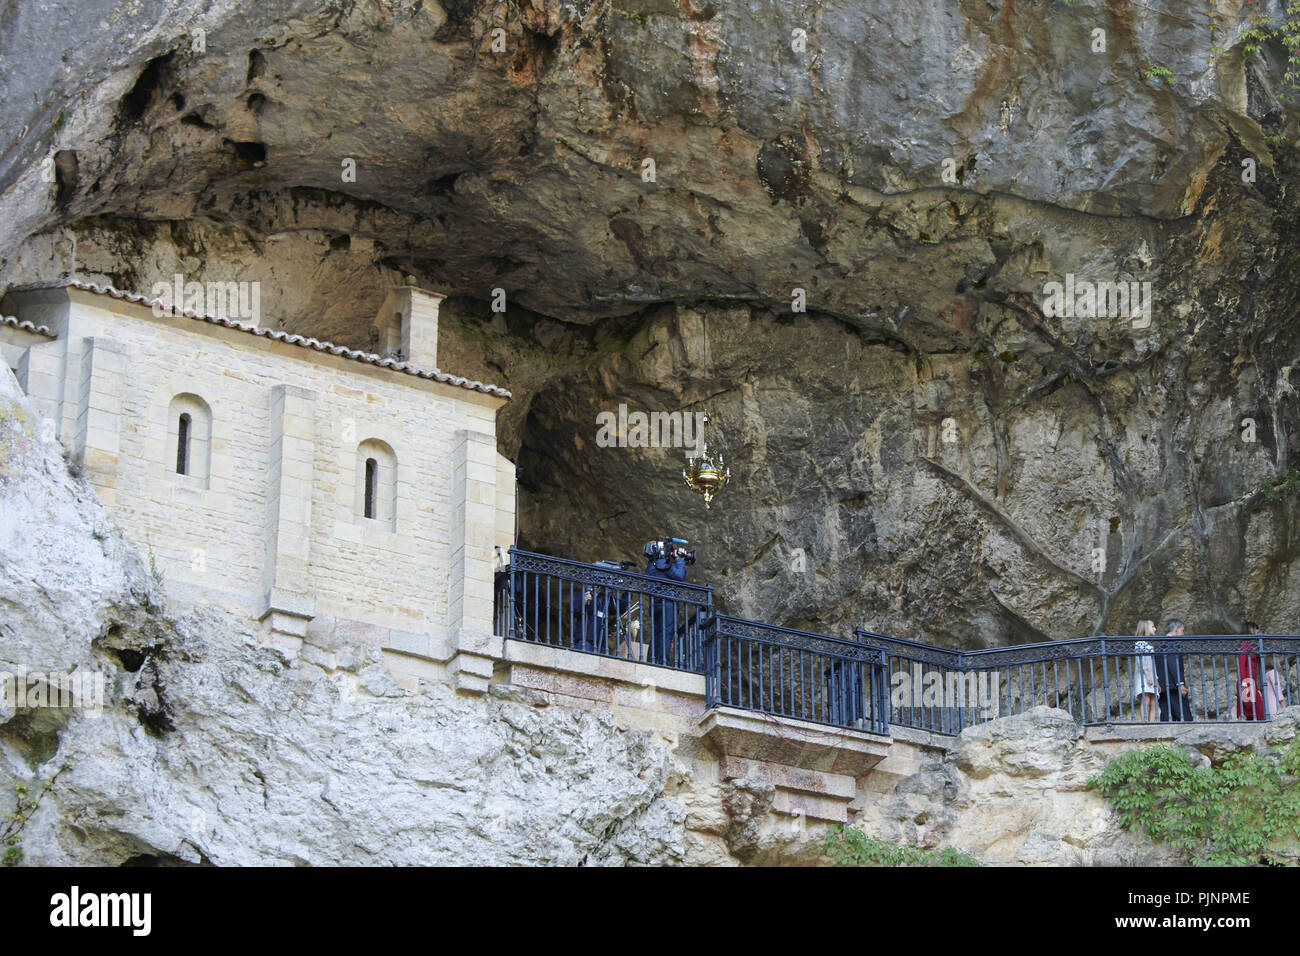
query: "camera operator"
666, 558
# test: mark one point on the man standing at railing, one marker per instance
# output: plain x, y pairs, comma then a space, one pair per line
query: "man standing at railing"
1175, 702
667, 559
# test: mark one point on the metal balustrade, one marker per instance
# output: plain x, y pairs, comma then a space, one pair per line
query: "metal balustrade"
921, 684
598, 610
1228, 678
876, 681
795, 674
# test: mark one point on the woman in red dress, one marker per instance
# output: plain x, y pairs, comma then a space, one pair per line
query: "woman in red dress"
1250, 683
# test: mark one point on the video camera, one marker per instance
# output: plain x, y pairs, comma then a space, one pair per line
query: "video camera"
669, 548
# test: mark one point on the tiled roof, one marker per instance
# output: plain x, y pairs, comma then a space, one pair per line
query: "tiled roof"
291, 339
12, 322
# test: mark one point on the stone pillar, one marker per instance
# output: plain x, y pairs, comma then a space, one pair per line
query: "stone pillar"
473, 532
505, 529
40, 375
409, 319
97, 430
420, 330
290, 601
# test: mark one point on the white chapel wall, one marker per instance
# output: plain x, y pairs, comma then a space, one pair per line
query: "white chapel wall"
225, 536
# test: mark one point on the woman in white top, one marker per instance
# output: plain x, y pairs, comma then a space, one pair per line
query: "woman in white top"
1146, 686
1274, 698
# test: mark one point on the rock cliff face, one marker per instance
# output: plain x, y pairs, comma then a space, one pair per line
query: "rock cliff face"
945, 459
211, 748
926, 449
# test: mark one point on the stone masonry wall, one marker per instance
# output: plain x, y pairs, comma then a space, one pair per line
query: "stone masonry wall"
210, 539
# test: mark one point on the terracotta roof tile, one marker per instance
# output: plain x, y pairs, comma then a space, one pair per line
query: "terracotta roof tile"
287, 337
12, 322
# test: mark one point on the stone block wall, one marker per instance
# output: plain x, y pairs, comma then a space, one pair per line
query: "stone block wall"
273, 531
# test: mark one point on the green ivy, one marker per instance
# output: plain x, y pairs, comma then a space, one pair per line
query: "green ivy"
1252, 39
1289, 34
1226, 815
1288, 483
1262, 28
850, 847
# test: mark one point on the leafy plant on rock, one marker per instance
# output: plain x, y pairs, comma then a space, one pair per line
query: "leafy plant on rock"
1287, 483
1261, 29
11, 833
1237, 813
851, 847
1159, 73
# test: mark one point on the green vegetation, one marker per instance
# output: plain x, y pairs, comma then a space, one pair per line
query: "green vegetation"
1289, 34
10, 834
154, 571
1286, 484
1229, 815
1159, 73
1260, 30
1252, 38
849, 847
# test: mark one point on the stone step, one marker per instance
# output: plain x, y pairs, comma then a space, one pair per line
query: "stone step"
810, 807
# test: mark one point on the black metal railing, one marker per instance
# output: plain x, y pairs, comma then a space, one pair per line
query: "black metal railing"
925, 685
1099, 680
601, 610
795, 674
876, 681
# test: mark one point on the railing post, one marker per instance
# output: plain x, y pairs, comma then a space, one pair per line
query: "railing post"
511, 571
708, 639
706, 611
1105, 680
961, 674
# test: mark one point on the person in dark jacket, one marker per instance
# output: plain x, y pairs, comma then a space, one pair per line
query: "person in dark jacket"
670, 565
1175, 699
599, 606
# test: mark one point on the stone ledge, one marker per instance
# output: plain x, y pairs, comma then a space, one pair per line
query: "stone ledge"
834, 785
285, 601
474, 641
603, 668
923, 738
810, 806
1170, 732
731, 732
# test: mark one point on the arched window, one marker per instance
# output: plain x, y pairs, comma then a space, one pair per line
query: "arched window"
183, 444
377, 483
372, 482
189, 436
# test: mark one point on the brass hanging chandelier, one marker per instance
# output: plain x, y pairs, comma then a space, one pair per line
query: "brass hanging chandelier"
705, 474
